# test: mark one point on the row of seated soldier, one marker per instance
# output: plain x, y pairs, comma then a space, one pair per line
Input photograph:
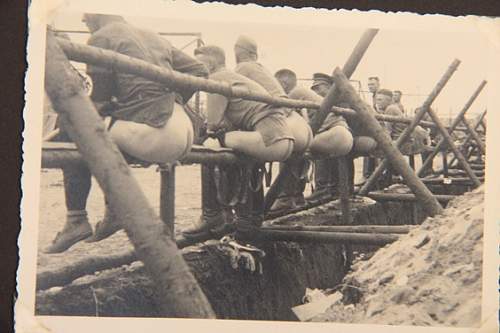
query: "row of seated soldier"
149, 123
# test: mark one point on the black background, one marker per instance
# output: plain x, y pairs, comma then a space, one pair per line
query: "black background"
13, 21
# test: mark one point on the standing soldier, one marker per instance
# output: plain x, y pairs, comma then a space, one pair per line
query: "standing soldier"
396, 99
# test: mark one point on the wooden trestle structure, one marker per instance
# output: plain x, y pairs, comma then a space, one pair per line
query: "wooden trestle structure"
160, 254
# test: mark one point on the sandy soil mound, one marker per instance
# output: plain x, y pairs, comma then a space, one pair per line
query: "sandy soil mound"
431, 276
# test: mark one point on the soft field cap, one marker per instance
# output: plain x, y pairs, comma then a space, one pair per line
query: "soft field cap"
247, 43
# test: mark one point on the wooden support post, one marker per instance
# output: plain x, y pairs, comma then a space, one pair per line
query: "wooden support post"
412, 161
368, 185
444, 154
167, 196
446, 135
344, 88
325, 108
177, 292
344, 191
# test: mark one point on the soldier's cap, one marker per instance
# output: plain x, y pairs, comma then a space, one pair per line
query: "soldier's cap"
211, 50
385, 92
321, 78
247, 44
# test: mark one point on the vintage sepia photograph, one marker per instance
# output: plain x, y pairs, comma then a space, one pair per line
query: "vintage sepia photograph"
212, 161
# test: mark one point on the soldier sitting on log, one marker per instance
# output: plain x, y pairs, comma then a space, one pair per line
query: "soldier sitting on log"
292, 194
334, 137
148, 122
257, 129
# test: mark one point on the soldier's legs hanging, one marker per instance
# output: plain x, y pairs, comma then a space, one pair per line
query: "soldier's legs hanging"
336, 141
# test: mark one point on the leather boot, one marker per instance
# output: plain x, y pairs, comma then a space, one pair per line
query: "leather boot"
214, 216
105, 228
77, 228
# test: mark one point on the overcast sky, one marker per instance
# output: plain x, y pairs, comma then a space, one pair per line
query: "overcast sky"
410, 58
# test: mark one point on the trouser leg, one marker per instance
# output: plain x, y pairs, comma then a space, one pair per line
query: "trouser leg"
77, 183
322, 171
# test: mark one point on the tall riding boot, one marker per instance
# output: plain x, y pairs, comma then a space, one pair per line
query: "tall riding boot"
250, 214
285, 200
322, 180
214, 217
334, 176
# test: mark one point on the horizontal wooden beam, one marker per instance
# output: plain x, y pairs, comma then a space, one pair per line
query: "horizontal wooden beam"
382, 196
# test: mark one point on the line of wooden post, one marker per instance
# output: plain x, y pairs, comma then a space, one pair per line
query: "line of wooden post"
409, 130
447, 140
177, 292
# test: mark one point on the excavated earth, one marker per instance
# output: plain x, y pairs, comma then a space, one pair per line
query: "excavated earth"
431, 276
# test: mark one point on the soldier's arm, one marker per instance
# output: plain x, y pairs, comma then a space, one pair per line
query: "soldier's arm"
186, 64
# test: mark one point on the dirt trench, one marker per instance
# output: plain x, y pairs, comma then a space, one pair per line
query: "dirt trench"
234, 294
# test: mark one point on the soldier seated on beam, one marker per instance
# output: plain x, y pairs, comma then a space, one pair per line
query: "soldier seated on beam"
254, 128
292, 194
333, 138
148, 121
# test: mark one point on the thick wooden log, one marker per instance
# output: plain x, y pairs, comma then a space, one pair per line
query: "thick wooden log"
326, 237
397, 160
177, 292
411, 127
382, 196
446, 135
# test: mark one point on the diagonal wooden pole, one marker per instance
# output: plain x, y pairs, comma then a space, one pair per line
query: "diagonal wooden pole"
468, 139
446, 137
397, 160
408, 131
472, 132
177, 292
